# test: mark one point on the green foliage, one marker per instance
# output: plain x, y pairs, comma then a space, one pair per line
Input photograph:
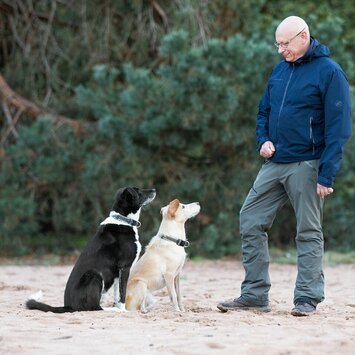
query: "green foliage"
168, 100
189, 117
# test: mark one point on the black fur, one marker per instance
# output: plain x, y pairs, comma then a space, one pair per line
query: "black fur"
107, 256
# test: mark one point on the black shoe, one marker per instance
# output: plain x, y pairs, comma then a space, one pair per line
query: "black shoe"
240, 304
303, 309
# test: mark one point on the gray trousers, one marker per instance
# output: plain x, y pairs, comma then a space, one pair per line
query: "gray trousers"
273, 187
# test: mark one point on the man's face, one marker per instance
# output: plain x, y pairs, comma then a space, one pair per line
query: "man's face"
290, 44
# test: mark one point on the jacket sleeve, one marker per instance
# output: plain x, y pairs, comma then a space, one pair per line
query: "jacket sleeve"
262, 119
337, 128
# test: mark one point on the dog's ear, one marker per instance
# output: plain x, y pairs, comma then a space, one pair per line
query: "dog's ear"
128, 194
173, 206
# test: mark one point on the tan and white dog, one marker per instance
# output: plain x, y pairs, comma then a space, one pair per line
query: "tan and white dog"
163, 259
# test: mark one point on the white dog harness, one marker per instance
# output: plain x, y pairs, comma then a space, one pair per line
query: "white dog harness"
116, 218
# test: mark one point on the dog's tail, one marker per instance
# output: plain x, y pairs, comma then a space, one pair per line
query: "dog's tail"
32, 303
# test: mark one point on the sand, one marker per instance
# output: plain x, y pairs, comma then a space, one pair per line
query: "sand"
201, 329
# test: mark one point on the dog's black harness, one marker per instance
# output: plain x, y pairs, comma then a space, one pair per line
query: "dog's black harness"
130, 221
179, 242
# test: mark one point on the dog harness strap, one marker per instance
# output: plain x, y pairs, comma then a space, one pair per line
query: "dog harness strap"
129, 221
179, 242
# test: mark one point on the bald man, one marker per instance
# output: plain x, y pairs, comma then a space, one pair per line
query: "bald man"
303, 123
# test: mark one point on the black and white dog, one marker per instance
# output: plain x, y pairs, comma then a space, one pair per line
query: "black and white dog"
106, 259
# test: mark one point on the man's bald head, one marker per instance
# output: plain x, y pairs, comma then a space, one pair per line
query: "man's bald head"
292, 25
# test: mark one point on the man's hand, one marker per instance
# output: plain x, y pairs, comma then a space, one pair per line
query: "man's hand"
323, 191
267, 150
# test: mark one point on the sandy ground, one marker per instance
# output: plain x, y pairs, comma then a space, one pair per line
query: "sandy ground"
202, 329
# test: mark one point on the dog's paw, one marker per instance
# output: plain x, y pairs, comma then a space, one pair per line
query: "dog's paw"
144, 310
121, 307
179, 309
122, 310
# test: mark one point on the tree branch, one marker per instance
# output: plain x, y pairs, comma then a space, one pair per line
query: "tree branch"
11, 123
31, 109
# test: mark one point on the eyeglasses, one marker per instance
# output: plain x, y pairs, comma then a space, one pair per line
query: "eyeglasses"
286, 44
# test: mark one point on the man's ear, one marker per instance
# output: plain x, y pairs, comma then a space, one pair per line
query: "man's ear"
173, 206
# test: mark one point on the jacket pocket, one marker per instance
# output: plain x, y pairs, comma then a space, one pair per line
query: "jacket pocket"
311, 134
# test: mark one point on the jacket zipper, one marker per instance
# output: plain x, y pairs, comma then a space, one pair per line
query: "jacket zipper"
311, 137
283, 101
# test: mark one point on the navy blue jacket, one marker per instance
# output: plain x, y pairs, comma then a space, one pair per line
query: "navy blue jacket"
305, 112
